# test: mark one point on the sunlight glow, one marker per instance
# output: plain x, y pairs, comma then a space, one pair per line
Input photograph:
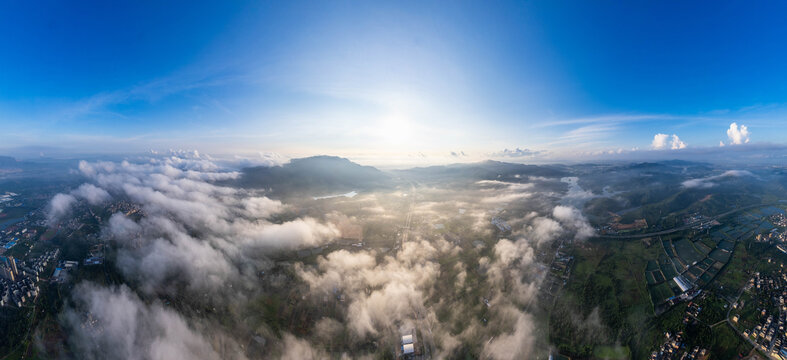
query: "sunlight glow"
395, 130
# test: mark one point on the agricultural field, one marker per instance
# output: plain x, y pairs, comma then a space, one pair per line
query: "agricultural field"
662, 292
667, 267
700, 257
687, 252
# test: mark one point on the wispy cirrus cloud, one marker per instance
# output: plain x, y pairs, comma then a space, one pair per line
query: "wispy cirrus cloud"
154, 90
606, 119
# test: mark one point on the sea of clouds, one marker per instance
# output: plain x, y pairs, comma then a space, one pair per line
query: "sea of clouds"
201, 239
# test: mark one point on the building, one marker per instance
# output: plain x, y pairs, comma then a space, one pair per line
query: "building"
501, 224
7, 273
684, 284
408, 349
11, 263
408, 345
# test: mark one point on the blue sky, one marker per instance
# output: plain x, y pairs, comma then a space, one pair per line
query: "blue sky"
391, 80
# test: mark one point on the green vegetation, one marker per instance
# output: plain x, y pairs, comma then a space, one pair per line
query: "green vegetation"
612, 352
661, 292
727, 344
714, 309
606, 301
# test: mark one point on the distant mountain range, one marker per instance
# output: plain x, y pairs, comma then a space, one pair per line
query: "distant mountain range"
325, 175
7, 161
486, 170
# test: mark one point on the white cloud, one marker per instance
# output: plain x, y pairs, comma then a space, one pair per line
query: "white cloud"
517, 152
738, 135
192, 229
401, 284
576, 195
515, 344
573, 218
267, 159
708, 182
59, 206
677, 143
504, 192
662, 141
543, 229
508, 252
113, 323
193, 237
299, 349
92, 194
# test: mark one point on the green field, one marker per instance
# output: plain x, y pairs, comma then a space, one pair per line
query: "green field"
612, 352
703, 249
687, 252
661, 292
707, 241
727, 245
720, 255
713, 309
649, 276
652, 265
727, 344
667, 267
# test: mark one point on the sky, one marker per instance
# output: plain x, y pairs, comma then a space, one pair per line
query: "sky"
394, 81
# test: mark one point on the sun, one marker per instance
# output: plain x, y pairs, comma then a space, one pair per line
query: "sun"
395, 130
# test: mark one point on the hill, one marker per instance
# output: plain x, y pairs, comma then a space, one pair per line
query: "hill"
314, 175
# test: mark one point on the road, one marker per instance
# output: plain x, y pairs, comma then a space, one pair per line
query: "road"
552, 262
409, 219
424, 324
679, 228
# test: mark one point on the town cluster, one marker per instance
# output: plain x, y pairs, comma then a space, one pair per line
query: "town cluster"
771, 314
674, 348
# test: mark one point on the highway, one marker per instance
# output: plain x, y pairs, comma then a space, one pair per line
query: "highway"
679, 228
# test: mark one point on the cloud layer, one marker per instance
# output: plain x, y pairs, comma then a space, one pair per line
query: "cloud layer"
517, 152
180, 235
113, 323
191, 228
711, 181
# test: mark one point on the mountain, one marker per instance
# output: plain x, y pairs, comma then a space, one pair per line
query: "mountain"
317, 175
7, 161
486, 170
